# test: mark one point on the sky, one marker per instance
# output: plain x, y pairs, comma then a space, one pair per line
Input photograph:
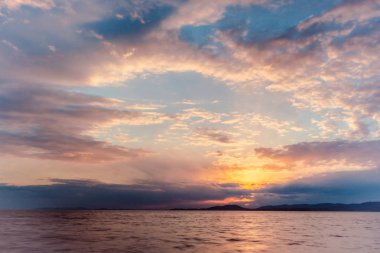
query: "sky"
188, 103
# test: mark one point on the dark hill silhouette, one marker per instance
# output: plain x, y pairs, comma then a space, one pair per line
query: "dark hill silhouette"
227, 208
215, 208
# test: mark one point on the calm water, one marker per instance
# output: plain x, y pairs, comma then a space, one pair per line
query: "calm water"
189, 231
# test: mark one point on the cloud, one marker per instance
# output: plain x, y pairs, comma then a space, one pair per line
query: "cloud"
328, 156
10, 45
198, 12
15, 4
237, 62
129, 24
338, 187
58, 124
322, 57
286, 163
86, 58
214, 135
316, 151
54, 145
258, 24
92, 194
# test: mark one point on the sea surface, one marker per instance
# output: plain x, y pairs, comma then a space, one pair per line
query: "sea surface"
188, 231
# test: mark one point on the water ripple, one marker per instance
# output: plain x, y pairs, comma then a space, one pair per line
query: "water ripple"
177, 231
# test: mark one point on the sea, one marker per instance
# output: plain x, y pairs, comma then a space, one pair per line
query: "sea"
189, 231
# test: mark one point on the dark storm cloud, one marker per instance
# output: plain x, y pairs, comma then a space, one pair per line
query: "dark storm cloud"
91, 194
338, 187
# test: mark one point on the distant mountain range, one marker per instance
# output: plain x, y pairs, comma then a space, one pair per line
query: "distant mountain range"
363, 207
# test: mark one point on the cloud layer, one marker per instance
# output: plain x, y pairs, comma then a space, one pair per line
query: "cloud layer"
90, 194
338, 187
322, 56
311, 153
57, 124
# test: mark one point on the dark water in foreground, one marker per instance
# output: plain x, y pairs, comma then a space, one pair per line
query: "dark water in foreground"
188, 231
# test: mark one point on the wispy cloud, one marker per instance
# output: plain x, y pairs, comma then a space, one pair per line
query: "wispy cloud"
55, 124
214, 135
15, 4
309, 154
